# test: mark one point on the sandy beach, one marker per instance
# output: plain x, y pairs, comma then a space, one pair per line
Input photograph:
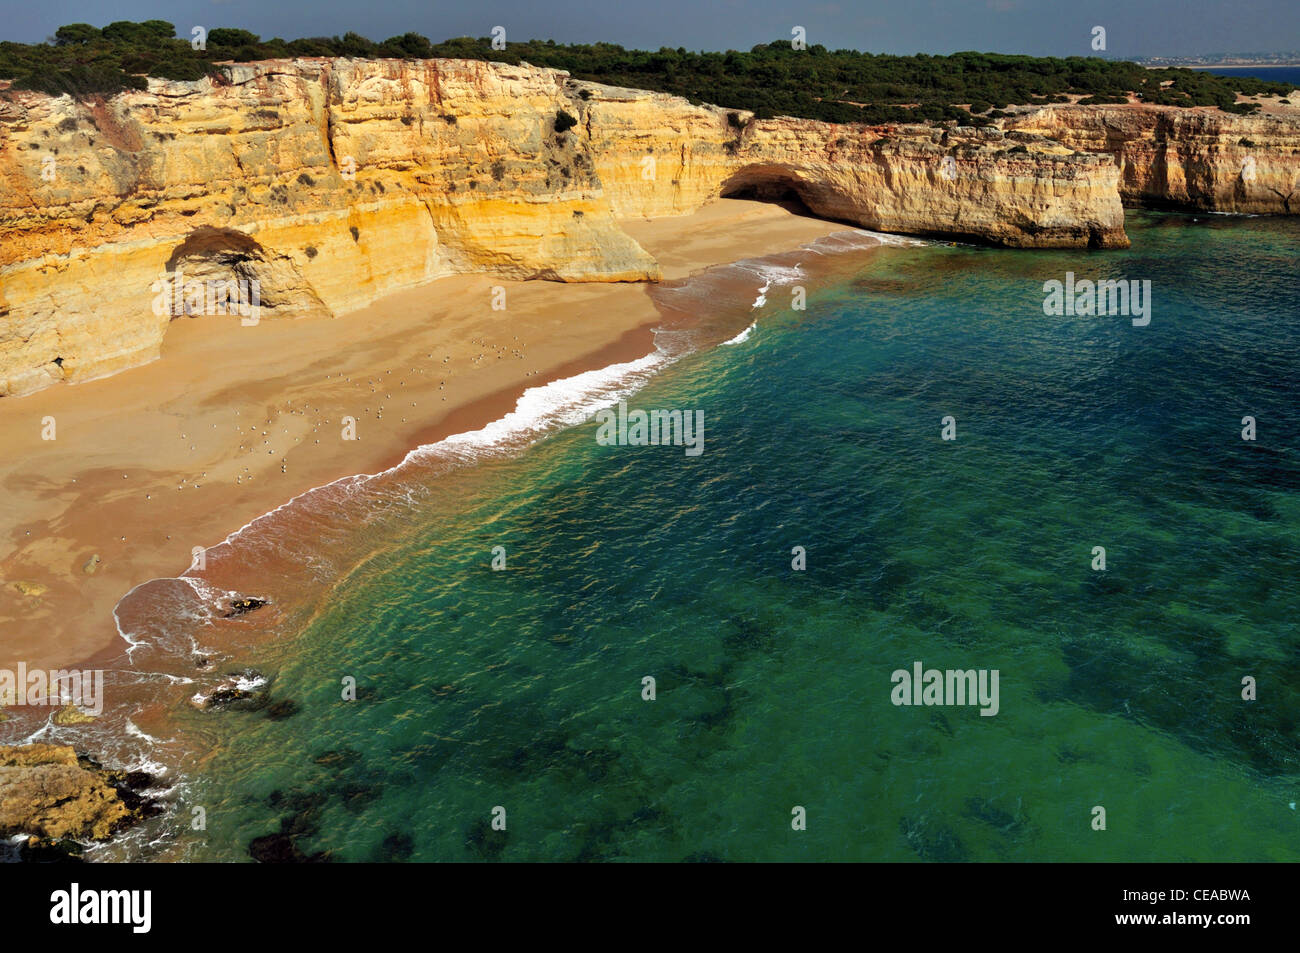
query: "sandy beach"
233, 421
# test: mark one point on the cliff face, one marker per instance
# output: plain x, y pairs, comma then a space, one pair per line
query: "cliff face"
1199, 159
332, 182
328, 182
658, 155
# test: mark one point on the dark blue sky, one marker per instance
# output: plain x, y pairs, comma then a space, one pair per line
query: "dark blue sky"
1038, 27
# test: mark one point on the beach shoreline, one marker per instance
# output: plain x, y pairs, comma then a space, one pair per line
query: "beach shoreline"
234, 421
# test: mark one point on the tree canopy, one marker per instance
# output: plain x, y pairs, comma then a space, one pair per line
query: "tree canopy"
770, 79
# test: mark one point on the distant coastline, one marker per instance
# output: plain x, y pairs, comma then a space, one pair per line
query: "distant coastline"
1214, 66
1288, 73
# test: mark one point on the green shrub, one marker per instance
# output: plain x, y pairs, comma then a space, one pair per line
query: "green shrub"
76, 33
81, 81
179, 69
233, 39
407, 46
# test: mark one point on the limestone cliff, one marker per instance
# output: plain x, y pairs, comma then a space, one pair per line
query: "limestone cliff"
332, 182
1201, 159
657, 155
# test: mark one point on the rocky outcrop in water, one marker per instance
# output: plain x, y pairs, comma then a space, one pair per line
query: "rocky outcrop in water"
240, 606
53, 797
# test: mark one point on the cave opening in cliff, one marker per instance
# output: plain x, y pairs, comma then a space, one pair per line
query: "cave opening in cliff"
213, 271
765, 184
223, 271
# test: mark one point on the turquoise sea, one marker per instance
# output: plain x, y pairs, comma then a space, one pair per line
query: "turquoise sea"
522, 688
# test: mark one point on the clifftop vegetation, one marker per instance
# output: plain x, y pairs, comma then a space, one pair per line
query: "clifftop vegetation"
772, 79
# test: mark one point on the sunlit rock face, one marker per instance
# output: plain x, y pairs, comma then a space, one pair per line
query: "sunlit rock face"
1196, 159
326, 183
658, 155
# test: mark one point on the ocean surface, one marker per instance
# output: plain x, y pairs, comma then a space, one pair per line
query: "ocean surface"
518, 694
1274, 74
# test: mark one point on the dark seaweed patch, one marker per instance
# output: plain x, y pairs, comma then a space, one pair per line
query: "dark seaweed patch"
932, 841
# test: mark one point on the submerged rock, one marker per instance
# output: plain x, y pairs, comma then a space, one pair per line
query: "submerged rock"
246, 691
225, 697
276, 849
70, 714
239, 690
302, 821
281, 709
128, 785
397, 846
43, 850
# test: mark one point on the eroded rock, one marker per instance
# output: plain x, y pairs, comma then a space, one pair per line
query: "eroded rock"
46, 792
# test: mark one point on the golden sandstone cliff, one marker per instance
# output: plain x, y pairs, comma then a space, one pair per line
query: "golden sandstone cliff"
1195, 159
333, 182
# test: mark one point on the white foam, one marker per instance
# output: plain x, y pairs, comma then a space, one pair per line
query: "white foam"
209, 597
165, 676
244, 683
539, 410
904, 241
554, 406
135, 732
47, 729
780, 274
771, 274
131, 644
742, 336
